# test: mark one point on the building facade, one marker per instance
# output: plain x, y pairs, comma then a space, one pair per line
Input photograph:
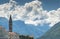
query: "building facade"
3, 33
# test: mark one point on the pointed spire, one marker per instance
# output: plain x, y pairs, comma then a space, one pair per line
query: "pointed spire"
10, 18
10, 24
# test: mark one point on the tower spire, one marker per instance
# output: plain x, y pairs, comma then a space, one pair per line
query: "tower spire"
10, 24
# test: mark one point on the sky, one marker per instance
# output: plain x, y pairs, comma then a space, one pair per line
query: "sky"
35, 16
47, 4
35, 12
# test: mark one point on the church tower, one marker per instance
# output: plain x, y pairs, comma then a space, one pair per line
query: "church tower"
10, 24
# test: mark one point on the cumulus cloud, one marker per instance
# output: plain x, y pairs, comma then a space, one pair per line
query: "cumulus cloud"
30, 13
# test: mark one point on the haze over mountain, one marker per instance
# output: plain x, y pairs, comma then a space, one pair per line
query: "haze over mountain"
23, 29
53, 33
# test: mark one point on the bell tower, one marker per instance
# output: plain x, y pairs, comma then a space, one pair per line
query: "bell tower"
10, 24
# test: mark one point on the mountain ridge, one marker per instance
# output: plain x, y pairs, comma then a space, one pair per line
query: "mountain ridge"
25, 29
53, 33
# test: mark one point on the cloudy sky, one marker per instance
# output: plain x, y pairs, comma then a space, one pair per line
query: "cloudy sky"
34, 12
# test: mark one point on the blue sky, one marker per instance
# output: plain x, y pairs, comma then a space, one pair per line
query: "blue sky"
47, 4
51, 4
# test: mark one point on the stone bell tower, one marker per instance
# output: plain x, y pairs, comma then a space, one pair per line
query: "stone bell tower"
10, 24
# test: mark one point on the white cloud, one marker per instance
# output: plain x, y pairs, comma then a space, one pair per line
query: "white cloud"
30, 13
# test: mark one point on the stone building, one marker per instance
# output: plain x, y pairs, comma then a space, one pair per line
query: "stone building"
7, 35
12, 35
3, 33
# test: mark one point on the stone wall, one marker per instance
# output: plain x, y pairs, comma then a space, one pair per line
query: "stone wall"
13, 35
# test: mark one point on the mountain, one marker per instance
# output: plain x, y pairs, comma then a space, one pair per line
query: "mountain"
4, 22
53, 33
25, 29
